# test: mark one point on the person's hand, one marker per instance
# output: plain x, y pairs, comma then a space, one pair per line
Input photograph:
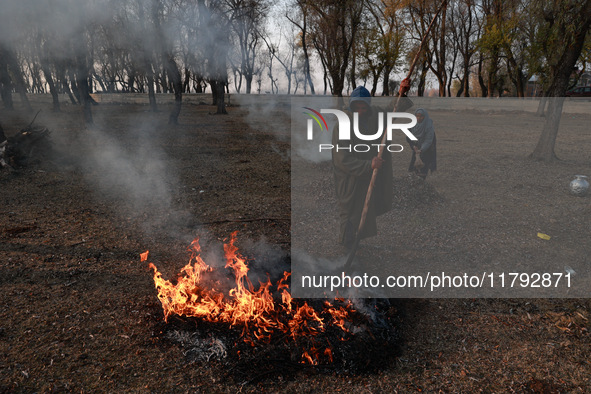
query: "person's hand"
417, 150
376, 163
404, 86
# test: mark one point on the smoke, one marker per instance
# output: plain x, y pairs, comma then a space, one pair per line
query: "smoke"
313, 265
117, 38
285, 118
267, 113
128, 166
137, 173
268, 261
23, 20
123, 159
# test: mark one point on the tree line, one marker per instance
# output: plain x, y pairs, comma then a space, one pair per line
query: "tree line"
482, 48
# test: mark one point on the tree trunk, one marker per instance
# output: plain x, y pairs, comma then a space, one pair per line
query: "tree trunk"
164, 81
186, 82
177, 84
544, 150
338, 85
52, 88
91, 85
442, 73
221, 100
248, 78
82, 82
288, 76
422, 80
214, 92
520, 89
374, 85
466, 80
100, 81
308, 77
17, 76
353, 67
481, 78
542, 106
74, 85
386, 81
37, 86
5, 83
131, 80
492, 74
61, 76
520, 84
218, 94
147, 59
307, 71
564, 67
151, 95
462, 85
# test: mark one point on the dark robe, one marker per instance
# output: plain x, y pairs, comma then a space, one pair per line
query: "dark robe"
352, 175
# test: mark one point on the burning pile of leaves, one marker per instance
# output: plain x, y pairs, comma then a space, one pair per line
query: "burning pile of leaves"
262, 328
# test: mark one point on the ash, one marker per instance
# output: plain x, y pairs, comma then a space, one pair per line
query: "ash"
197, 348
372, 343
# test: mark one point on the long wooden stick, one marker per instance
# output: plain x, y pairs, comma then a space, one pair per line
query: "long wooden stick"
374, 174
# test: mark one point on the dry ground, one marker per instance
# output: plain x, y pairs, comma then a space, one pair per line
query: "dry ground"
78, 311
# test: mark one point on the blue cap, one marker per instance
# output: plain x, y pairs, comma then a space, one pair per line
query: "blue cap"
360, 94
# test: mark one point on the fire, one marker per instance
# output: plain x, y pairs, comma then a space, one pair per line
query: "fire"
254, 310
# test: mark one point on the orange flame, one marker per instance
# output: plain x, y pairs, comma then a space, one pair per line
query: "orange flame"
144, 256
255, 311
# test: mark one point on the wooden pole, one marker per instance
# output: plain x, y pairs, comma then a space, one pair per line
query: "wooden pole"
374, 174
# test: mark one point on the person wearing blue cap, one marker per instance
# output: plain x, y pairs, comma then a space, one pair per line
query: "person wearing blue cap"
353, 170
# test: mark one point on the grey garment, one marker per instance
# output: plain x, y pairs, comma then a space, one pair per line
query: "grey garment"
352, 175
426, 142
424, 131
